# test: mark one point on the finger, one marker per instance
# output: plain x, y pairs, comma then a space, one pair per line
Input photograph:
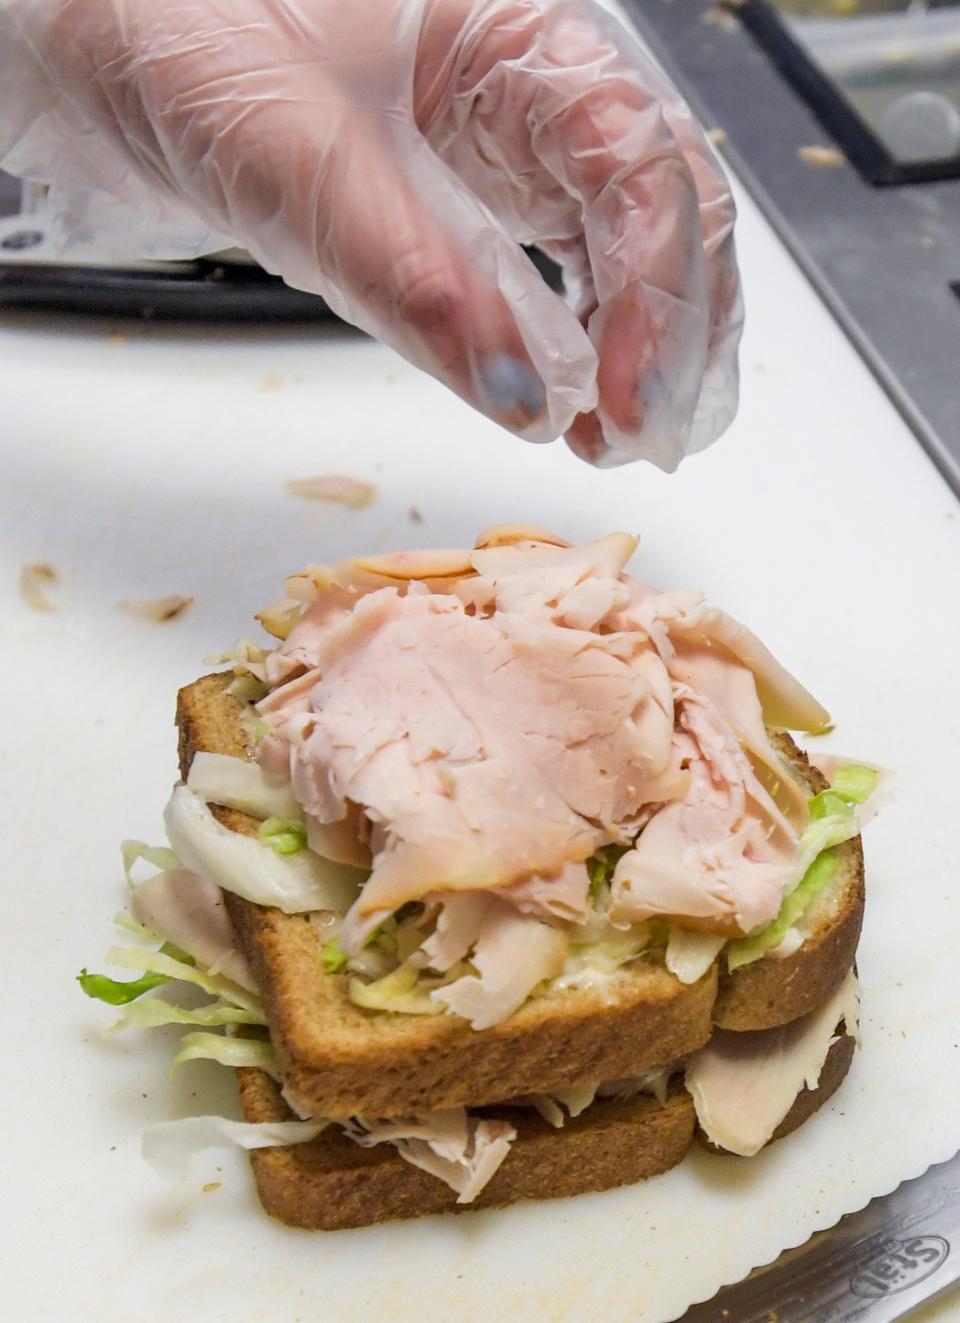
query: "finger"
585, 101
605, 137
548, 79
717, 403
573, 259
717, 398
410, 256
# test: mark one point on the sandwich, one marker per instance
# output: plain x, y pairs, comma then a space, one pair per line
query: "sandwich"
496, 875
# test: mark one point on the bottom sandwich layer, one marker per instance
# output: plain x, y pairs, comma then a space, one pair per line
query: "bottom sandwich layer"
330, 1183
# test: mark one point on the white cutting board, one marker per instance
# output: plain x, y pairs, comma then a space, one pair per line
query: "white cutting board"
156, 465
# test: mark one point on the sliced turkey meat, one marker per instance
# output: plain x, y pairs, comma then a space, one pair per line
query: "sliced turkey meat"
188, 911
513, 953
720, 858
484, 721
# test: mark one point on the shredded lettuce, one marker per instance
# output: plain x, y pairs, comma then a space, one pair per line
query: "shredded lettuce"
397, 991
243, 652
240, 784
117, 993
295, 884
332, 956
855, 782
157, 962
832, 821
227, 1051
285, 835
158, 855
600, 867
821, 834
155, 1011
599, 950
169, 1145
131, 926
828, 804
690, 954
744, 950
852, 784
247, 688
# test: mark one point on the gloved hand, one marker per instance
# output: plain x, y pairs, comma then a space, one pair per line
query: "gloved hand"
390, 155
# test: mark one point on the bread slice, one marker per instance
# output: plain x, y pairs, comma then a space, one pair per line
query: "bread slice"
331, 1183
339, 1060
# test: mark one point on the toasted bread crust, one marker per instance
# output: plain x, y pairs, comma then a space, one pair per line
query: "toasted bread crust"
331, 1183
832, 1075
339, 1060
771, 992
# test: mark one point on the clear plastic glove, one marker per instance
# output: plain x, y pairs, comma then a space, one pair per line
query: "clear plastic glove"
390, 155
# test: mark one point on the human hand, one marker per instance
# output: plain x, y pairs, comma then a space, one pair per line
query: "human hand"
391, 155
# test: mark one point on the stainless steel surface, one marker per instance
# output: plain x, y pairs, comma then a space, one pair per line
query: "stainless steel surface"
885, 260
874, 1266
898, 65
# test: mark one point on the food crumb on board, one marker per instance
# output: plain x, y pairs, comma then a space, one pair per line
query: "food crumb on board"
33, 579
156, 608
415, 516
338, 487
115, 339
211, 1186
272, 381
825, 157
719, 16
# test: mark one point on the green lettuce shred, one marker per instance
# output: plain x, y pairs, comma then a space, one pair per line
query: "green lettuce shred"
159, 962
161, 856
130, 925
116, 992
227, 1051
404, 989
332, 956
155, 1011
744, 950
832, 821
284, 835
828, 804
854, 782
601, 866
